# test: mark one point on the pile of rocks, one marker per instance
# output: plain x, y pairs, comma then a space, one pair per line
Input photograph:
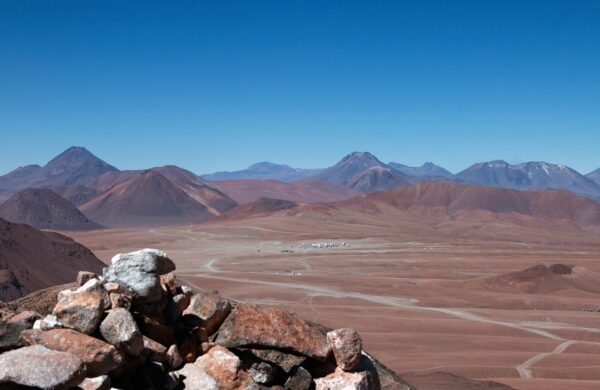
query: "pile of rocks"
134, 327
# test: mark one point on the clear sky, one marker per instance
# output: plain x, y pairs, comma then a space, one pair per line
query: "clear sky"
219, 85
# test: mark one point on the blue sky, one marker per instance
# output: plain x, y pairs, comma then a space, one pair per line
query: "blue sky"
219, 85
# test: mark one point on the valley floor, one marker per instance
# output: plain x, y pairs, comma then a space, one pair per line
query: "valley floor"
420, 296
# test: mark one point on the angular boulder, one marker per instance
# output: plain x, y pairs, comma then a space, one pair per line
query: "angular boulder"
99, 357
96, 285
300, 379
140, 271
209, 308
343, 380
156, 351
346, 346
10, 330
271, 327
39, 367
120, 329
193, 377
224, 367
81, 311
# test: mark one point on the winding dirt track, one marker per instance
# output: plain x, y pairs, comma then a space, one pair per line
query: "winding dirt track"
523, 369
403, 290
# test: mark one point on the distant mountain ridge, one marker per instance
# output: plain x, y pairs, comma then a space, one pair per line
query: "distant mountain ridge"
426, 170
595, 176
449, 201
264, 171
530, 175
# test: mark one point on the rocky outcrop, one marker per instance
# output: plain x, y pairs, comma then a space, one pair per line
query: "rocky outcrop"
135, 328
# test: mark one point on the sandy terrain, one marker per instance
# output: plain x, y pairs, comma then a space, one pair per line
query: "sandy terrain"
419, 293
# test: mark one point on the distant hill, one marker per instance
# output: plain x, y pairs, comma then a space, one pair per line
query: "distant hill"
595, 176
149, 198
308, 191
75, 166
427, 170
194, 186
377, 178
31, 259
530, 175
264, 171
541, 279
44, 209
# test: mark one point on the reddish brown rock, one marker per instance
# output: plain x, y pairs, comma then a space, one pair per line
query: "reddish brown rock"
119, 300
99, 357
26, 317
10, 330
81, 311
271, 327
155, 330
225, 368
346, 346
169, 283
39, 367
210, 308
192, 344
96, 285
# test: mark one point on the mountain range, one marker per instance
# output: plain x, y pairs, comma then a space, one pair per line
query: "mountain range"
264, 171
78, 191
439, 202
531, 175
75, 166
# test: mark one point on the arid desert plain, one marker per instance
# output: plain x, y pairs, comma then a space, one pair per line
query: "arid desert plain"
511, 302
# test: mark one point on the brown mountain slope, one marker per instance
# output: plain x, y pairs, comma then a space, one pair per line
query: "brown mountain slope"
77, 195
31, 259
194, 186
307, 191
436, 202
44, 209
453, 199
147, 198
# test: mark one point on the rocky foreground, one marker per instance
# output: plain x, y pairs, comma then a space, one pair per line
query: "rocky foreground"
134, 327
